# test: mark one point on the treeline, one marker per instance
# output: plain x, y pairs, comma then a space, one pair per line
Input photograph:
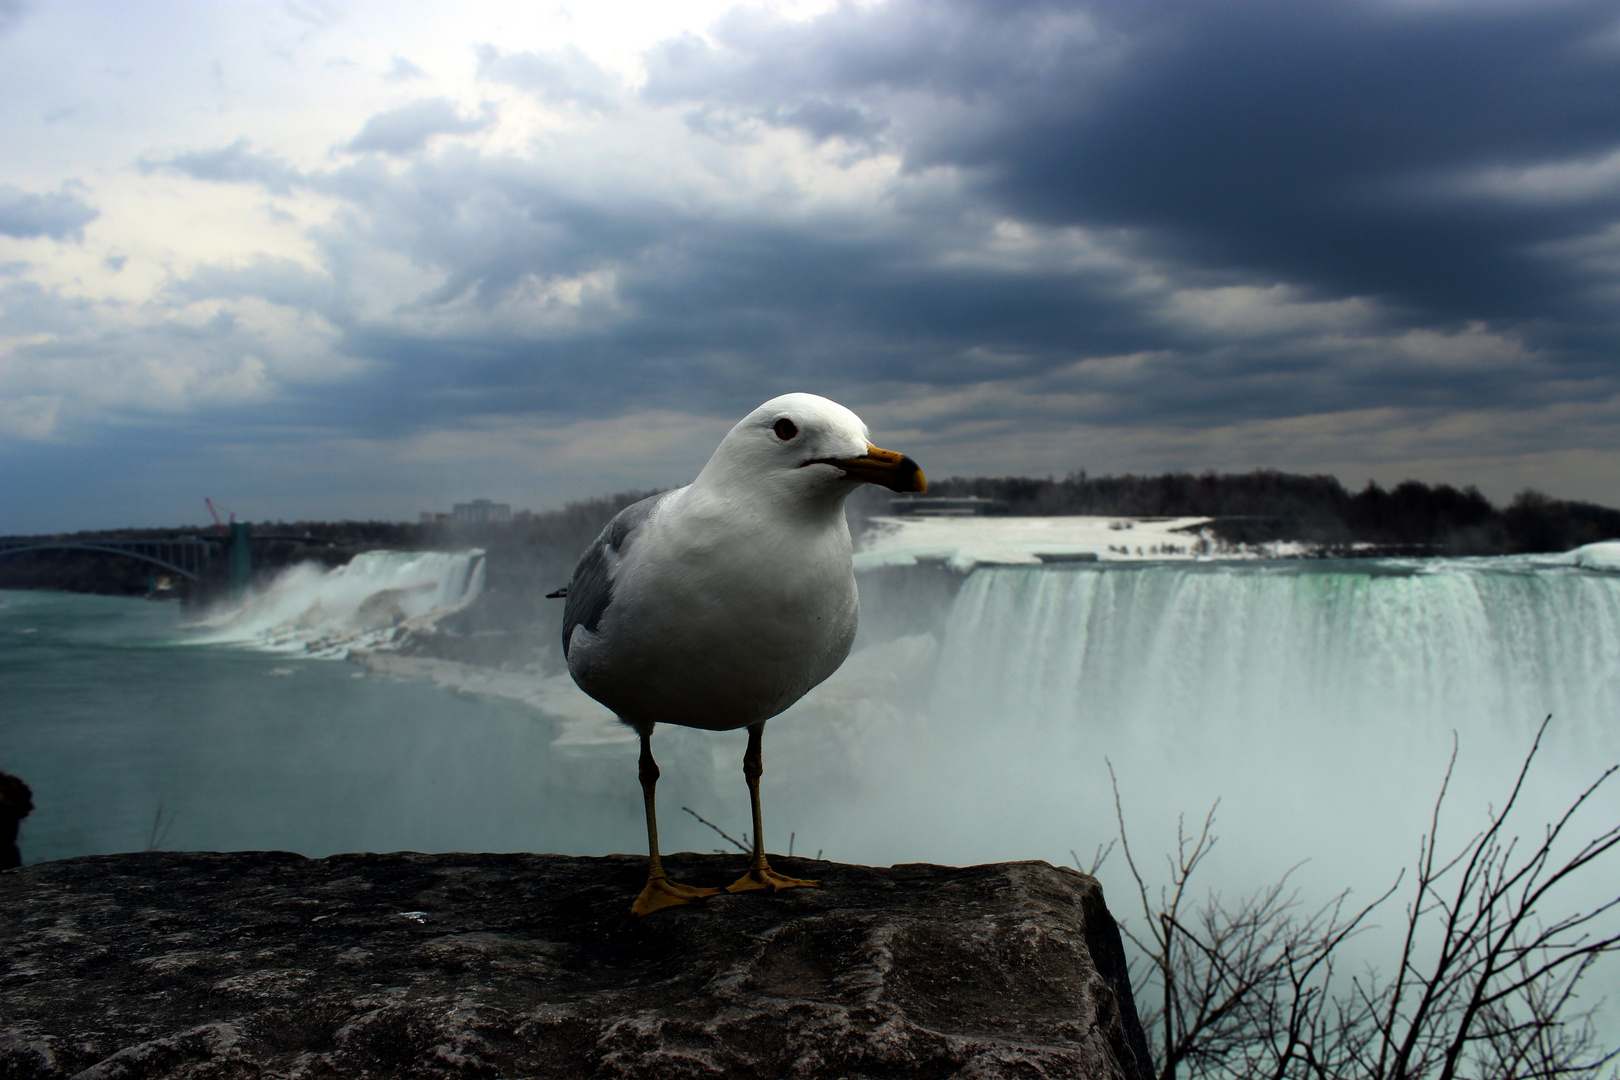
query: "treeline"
1266, 505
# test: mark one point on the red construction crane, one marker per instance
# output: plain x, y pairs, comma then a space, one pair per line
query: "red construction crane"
218, 524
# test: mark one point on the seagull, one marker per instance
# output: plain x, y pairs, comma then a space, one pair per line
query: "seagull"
719, 604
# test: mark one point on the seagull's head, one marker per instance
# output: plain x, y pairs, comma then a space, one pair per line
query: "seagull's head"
809, 448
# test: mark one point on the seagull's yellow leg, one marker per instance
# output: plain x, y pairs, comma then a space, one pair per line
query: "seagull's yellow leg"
660, 892
760, 875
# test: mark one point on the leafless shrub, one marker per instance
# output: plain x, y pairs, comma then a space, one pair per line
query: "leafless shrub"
158, 835
1485, 985
740, 845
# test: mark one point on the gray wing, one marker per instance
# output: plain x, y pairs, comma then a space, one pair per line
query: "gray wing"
590, 590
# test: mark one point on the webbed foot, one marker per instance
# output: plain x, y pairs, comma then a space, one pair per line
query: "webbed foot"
762, 877
660, 892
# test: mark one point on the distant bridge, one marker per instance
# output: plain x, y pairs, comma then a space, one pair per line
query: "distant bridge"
189, 556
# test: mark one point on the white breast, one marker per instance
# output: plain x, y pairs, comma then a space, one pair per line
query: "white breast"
718, 620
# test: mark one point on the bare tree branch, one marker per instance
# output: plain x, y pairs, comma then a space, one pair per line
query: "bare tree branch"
1485, 984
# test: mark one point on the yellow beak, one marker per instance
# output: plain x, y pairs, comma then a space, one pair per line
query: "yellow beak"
884, 468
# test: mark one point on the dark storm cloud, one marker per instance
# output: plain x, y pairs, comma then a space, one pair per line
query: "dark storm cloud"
1286, 140
708, 313
1309, 143
900, 60
489, 223
60, 215
408, 128
1173, 215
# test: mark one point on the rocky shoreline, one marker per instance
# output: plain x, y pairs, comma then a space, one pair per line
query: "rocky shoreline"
268, 964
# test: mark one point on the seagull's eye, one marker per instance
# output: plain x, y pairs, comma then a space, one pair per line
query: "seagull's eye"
785, 429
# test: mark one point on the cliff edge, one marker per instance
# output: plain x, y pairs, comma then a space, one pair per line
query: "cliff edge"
260, 964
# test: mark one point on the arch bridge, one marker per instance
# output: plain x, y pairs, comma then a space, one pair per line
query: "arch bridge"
189, 556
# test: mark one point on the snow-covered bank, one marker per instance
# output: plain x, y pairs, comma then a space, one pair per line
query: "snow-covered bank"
1604, 555
963, 543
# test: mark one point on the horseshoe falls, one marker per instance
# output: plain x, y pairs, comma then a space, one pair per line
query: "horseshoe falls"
1316, 700
1189, 655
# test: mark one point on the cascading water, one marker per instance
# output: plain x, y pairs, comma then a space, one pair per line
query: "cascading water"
1187, 656
1317, 700
323, 612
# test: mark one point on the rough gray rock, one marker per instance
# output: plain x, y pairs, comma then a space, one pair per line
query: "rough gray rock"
251, 964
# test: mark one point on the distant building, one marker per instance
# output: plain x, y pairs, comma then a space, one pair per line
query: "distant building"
482, 512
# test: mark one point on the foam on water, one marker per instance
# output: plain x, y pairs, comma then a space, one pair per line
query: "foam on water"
325, 612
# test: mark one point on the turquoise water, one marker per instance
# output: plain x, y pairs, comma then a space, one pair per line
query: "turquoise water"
132, 736
1317, 701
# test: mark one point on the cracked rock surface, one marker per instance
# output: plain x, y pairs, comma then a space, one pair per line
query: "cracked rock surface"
268, 964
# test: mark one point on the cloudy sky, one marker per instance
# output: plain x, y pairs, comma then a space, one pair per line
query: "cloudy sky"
362, 259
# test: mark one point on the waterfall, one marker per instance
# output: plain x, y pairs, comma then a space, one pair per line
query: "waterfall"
1195, 656
1317, 700
307, 608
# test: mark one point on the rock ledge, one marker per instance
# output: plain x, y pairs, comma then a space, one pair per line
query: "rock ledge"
250, 964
